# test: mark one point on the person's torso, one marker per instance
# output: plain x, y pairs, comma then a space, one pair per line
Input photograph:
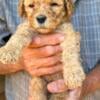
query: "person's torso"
86, 20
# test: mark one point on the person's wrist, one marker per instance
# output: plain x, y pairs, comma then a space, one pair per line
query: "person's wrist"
84, 91
87, 85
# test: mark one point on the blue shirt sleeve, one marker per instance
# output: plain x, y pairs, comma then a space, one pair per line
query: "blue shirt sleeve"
4, 32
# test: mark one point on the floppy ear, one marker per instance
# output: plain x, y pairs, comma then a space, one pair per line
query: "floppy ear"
69, 7
21, 8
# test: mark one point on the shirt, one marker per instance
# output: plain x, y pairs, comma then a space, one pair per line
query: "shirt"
86, 20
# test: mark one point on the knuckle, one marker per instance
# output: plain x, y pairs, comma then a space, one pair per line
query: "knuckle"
49, 50
58, 48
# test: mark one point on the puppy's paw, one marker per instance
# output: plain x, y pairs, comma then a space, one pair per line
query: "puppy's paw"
74, 78
8, 55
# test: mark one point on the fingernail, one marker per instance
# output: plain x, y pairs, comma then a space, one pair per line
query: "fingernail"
53, 88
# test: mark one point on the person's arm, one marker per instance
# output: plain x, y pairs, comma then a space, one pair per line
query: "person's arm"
92, 81
10, 68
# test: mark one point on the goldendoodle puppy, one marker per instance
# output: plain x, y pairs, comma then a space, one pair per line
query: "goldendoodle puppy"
44, 17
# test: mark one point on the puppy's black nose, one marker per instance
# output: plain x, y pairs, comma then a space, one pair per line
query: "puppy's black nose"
41, 19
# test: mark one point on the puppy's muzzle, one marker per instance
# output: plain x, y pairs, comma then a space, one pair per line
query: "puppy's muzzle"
41, 19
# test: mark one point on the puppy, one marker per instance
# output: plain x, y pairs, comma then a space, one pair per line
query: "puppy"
45, 17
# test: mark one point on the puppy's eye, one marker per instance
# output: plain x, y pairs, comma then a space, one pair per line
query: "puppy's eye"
54, 4
31, 5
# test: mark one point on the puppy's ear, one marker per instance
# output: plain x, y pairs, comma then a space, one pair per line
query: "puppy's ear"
21, 8
69, 7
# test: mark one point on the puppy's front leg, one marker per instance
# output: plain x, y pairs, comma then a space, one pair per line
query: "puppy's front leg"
10, 53
72, 70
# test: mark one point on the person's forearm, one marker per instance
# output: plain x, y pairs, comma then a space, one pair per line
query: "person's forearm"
9, 68
92, 81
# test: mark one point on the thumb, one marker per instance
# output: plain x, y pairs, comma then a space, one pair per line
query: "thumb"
57, 86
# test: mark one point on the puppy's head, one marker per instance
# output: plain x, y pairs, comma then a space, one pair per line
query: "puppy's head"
45, 15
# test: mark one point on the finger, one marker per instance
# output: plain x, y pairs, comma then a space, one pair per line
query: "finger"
47, 71
43, 52
57, 86
43, 62
43, 40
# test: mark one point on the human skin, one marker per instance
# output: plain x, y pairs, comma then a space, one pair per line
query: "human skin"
36, 56
90, 85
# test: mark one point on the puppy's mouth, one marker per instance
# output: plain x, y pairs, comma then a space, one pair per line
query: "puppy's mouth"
44, 30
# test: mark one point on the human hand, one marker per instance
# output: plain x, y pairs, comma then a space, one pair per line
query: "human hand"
59, 86
42, 57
